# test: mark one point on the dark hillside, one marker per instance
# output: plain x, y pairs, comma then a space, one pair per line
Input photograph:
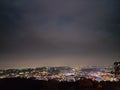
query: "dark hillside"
31, 84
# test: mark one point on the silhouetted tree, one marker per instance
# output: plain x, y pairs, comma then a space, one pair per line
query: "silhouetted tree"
117, 68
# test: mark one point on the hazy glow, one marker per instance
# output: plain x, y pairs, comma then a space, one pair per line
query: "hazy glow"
59, 32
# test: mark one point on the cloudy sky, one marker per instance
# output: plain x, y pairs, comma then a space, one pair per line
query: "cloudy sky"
59, 32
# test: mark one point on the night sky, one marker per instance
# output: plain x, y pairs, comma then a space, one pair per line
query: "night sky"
37, 33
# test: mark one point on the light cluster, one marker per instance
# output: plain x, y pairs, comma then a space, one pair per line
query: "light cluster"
61, 73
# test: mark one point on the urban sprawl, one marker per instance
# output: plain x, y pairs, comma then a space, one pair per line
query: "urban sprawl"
64, 73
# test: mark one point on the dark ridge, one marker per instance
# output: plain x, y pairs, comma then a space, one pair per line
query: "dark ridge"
32, 84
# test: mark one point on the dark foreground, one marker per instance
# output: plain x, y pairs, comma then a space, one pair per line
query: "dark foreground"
30, 84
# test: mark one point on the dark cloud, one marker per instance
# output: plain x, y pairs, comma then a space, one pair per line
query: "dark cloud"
60, 27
